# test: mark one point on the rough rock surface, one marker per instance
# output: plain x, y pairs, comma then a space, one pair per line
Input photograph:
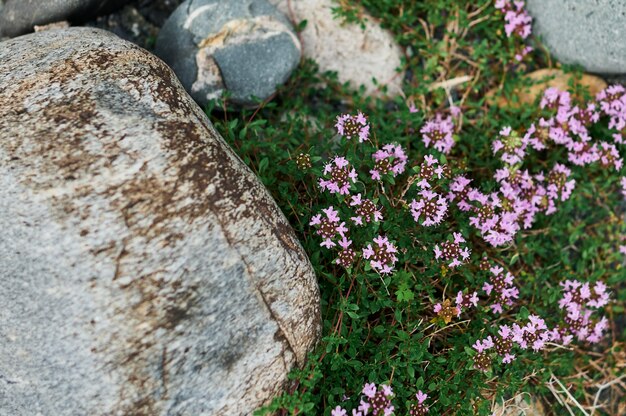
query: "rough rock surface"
585, 32
20, 16
245, 47
356, 55
144, 269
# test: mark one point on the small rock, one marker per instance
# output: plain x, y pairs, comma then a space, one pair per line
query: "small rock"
145, 270
585, 32
21, 16
245, 47
543, 79
357, 55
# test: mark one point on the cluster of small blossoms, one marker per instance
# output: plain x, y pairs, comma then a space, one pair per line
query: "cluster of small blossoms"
511, 146
338, 174
532, 335
329, 226
578, 300
437, 133
501, 285
382, 255
375, 401
569, 126
623, 183
482, 360
609, 156
559, 186
391, 158
459, 189
497, 226
429, 169
419, 408
350, 126
612, 101
500, 215
429, 208
450, 250
517, 22
365, 210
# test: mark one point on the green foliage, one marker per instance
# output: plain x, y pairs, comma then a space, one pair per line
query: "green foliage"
380, 329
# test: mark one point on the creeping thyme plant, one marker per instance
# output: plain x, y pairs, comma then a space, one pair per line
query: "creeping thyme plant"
467, 253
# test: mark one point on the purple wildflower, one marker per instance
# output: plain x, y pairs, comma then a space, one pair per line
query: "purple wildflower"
452, 251
329, 226
429, 208
339, 174
382, 255
391, 158
437, 132
353, 126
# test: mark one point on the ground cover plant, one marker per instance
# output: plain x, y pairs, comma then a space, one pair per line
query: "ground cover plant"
466, 253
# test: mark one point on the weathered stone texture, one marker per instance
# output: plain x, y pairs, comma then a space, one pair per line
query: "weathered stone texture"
584, 32
357, 55
143, 268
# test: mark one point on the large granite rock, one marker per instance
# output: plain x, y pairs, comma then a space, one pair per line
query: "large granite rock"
20, 16
245, 47
585, 32
144, 269
357, 55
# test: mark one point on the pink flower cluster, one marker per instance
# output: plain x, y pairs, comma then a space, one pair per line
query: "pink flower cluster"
375, 401
612, 102
497, 226
339, 174
428, 169
353, 126
429, 208
578, 300
517, 19
501, 285
569, 126
534, 334
450, 250
419, 408
511, 147
623, 183
382, 255
329, 226
517, 22
391, 158
437, 132
365, 210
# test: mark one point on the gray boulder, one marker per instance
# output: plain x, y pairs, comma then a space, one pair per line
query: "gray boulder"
245, 47
585, 32
144, 268
20, 16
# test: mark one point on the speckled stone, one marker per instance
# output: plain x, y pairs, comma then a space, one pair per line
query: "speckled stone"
144, 269
18, 17
584, 32
358, 55
245, 47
